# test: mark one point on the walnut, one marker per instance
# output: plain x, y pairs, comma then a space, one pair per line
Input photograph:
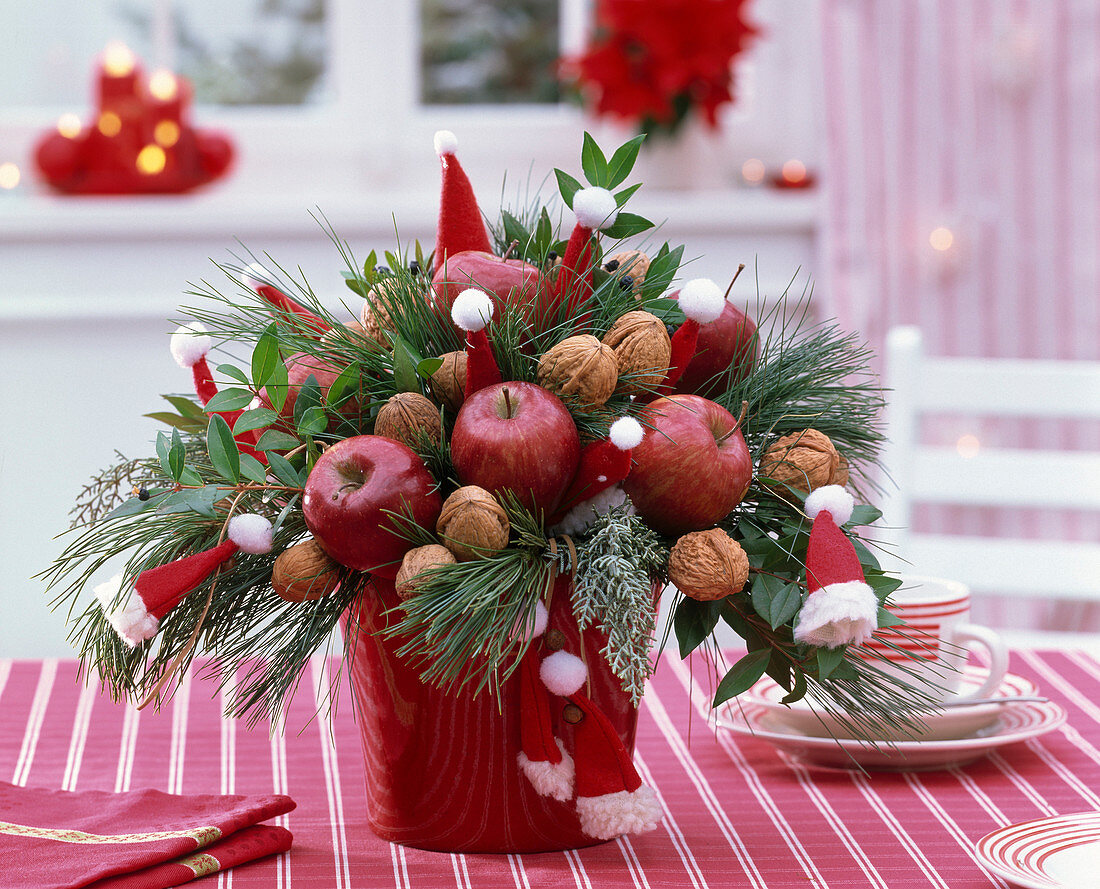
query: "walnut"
448, 384
580, 368
708, 565
472, 524
840, 477
802, 460
642, 349
304, 572
375, 314
631, 264
409, 417
419, 560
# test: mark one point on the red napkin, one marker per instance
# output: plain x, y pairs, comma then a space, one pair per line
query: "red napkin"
141, 839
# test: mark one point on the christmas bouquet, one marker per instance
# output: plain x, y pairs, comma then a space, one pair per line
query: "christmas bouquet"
487, 472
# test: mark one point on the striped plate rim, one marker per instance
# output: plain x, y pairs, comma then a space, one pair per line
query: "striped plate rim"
1020, 852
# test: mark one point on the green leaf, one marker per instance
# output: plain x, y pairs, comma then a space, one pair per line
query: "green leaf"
253, 470
222, 448
177, 456
626, 225
309, 396
277, 387
742, 675
828, 659
355, 285
233, 372
135, 505
368, 265
799, 691
693, 622
622, 162
662, 269
282, 469
345, 385
313, 421
175, 420
274, 440
863, 514
186, 407
200, 501
257, 418
866, 558
888, 619
882, 584
427, 367
190, 477
264, 357
593, 162
621, 197
544, 235
514, 231
405, 360
775, 600
229, 400
568, 186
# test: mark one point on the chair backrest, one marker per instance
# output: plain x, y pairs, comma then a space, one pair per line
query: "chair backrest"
990, 477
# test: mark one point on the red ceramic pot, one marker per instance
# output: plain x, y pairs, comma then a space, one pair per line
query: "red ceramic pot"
441, 768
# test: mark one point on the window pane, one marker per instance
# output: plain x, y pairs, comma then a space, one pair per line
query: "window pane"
266, 52
488, 51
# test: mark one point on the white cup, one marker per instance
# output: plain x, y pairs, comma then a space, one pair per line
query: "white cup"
936, 640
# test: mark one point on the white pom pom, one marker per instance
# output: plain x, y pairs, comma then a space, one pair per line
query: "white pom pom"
595, 207
251, 532
254, 276
702, 300
445, 142
563, 673
527, 630
626, 433
190, 344
832, 499
472, 309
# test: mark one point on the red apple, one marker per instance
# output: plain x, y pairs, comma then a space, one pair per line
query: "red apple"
726, 352
510, 281
350, 493
299, 368
516, 437
692, 468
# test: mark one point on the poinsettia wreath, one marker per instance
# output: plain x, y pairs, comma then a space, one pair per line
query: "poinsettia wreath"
513, 408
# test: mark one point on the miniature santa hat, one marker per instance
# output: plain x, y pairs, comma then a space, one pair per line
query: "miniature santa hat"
841, 608
159, 590
189, 346
273, 296
460, 224
611, 798
471, 311
603, 463
542, 758
595, 209
702, 301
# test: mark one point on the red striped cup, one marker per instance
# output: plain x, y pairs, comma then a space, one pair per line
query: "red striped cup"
934, 643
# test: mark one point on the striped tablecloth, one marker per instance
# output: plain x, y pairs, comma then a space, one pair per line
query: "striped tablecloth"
737, 812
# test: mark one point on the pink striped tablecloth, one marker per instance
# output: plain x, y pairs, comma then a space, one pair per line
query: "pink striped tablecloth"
737, 812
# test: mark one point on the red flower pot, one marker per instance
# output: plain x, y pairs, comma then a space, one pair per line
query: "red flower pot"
441, 768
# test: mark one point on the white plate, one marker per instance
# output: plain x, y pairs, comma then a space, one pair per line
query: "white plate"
951, 723
1014, 723
1062, 852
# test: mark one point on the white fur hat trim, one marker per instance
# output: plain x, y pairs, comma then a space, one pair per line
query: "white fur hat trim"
552, 779
130, 619
838, 614
189, 344
623, 812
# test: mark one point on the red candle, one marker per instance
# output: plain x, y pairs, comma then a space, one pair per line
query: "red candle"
119, 77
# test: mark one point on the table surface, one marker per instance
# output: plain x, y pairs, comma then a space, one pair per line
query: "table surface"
737, 812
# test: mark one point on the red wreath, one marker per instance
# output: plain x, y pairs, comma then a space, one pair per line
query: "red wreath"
652, 62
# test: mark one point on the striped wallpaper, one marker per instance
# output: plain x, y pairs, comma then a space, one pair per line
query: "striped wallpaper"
972, 126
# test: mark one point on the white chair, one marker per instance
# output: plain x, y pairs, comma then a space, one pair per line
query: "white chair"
991, 477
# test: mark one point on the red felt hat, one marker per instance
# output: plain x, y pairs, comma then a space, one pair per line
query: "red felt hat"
595, 209
253, 278
471, 311
840, 608
158, 590
603, 464
460, 224
189, 346
611, 798
702, 301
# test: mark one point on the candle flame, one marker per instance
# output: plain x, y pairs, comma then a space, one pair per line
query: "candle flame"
752, 171
68, 125
794, 171
163, 85
118, 60
151, 160
968, 446
941, 238
166, 133
9, 175
109, 123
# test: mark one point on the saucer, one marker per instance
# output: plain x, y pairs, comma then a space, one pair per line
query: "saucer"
1012, 724
952, 723
1047, 853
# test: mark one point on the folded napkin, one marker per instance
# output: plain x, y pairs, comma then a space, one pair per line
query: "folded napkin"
141, 839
